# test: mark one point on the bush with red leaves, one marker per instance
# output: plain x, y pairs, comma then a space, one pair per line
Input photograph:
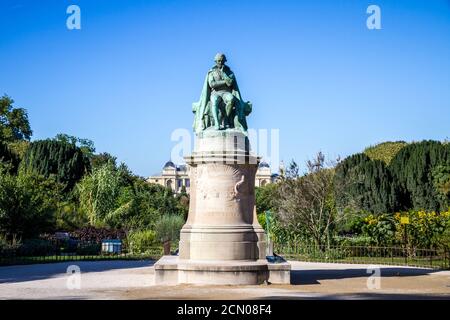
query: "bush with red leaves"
93, 234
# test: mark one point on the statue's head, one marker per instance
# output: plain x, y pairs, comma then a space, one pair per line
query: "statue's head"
220, 59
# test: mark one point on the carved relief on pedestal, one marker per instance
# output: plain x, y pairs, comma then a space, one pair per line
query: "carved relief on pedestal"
219, 191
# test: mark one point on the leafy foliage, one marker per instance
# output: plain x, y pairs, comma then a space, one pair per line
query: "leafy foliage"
9, 158
62, 161
441, 181
426, 229
93, 234
168, 227
141, 204
85, 145
14, 124
98, 160
381, 229
306, 203
19, 148
265, 198
413, 169
141, 241
27, 204
68, 215
98, 193
365, 185
384, 151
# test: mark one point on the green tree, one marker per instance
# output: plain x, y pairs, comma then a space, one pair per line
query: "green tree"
19, 148
265, 197
441, 182
8, 157
306, 203
100, 159
365, 185
62, 161
168, 229
85, 145
384, 151
98, 193
27, 204
68, 215
14, 124
141, 204
413, 169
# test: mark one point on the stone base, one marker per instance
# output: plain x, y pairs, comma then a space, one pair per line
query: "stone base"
171, 270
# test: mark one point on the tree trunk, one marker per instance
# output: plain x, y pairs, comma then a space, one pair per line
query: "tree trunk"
166, 246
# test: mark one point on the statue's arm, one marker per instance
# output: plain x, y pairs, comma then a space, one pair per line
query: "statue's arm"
213, 83
229, 79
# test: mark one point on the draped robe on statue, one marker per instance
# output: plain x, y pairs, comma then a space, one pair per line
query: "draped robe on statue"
202, 108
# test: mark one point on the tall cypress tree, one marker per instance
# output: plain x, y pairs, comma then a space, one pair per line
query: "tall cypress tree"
60, 160
413, 168
365, 185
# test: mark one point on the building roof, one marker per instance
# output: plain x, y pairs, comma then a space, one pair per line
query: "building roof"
264, 164
169, 164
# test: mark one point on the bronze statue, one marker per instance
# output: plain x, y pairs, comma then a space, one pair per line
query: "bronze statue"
220, 106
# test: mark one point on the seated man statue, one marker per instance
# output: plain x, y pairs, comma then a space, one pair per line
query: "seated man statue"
220, 104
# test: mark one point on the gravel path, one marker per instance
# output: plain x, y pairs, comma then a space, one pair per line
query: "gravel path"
134, 280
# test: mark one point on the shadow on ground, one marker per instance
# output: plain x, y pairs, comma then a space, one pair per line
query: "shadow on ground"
299, 277
360, 296
21, 273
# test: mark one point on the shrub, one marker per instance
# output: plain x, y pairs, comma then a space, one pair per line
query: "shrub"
92, 234
358, 241
425, 229
88, 249
27, 204
37, 247
141, 241
381, 229
168, 228
9, 248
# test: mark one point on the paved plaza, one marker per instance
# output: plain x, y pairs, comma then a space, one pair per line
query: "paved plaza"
135, 280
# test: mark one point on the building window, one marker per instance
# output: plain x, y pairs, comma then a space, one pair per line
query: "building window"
179, 183
169, 184
263, 183
187, 183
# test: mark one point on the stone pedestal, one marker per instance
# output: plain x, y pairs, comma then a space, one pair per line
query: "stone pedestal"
222, 241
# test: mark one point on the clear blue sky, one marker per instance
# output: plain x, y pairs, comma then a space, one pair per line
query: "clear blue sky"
312, 69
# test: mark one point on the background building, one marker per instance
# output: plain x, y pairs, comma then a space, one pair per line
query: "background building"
176, 177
